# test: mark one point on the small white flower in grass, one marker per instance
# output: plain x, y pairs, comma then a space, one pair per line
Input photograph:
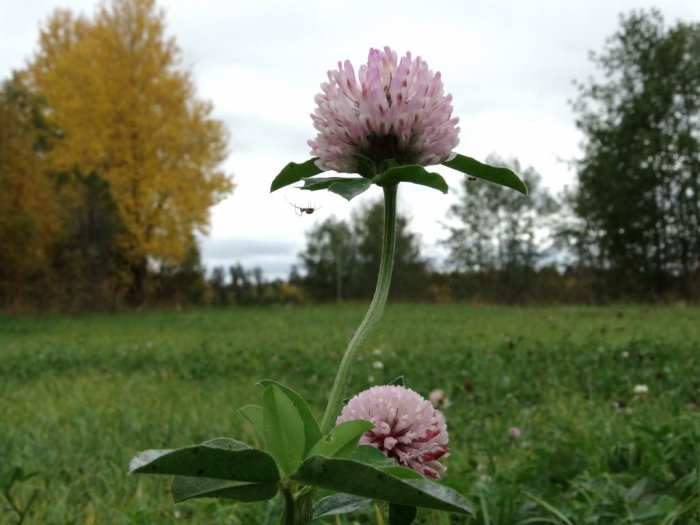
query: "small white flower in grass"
439, 400
378, 365
640, 392
641, 389
406, 427
394, 109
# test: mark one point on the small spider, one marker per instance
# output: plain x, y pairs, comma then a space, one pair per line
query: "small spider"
301, 211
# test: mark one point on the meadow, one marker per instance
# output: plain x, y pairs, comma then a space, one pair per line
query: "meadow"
79, 396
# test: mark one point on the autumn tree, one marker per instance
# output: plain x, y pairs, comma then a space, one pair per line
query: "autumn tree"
28, 213
128, 113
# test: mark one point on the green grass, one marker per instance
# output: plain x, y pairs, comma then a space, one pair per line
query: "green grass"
79, 396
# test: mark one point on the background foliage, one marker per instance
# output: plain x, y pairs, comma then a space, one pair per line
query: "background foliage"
110, 162
107, 174
638, 194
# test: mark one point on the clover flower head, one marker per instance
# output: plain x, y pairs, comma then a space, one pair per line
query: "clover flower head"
394, 109
514, 432
406, 429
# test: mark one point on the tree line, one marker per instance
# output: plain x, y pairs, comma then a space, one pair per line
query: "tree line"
109, 163
492, 241
637, 201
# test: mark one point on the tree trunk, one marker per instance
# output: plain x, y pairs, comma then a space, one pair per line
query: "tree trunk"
139, 282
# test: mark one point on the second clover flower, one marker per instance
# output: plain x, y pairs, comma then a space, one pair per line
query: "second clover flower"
406, 429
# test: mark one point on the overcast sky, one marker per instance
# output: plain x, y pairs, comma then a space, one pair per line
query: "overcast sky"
509, 66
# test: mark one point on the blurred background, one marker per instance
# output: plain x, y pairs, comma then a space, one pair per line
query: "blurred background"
138, 140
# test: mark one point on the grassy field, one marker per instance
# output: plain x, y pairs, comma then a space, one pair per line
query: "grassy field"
80, 395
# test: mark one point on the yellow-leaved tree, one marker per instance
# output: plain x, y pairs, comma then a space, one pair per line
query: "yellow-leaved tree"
28, 211
127, 112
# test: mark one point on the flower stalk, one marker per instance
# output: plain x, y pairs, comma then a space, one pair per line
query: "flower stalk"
298, 506
374, 312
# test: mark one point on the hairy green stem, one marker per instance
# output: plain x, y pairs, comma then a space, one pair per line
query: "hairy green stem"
298, 506
372, 316
289, 507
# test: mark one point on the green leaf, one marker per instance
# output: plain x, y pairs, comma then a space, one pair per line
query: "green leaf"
473, 167
371, 456
312, 433
283, 429
253, 414
294, 172
347, 187
401, 514
402, 472
551, 508
412, 173
220, 458
339, 504
350, 188
445, 497
352, 477
322, 183
186, 487
342, 439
